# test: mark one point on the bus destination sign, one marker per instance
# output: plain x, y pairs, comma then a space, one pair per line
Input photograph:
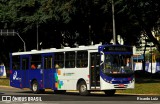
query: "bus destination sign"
117, 49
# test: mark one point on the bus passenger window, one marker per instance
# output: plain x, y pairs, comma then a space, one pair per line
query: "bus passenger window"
82, 59
59, 60
57, 66
35, 61
33, 66
70, 59
39, 66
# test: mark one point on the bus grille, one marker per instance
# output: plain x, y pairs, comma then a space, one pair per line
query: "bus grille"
120, 82
120, 86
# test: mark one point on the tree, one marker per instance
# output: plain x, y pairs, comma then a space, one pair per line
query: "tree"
144, 14
91, 19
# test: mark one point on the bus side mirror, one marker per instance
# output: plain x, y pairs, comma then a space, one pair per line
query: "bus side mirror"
102, 58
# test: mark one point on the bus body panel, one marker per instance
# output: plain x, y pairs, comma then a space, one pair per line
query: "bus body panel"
108, 86
36, 74
16, 78
25, 79
48, 78
69, 77
108, 82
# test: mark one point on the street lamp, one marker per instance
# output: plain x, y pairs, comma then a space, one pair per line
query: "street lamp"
12, 33
113, 19
37, 37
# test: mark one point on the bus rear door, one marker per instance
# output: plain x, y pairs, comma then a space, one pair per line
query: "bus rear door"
24, 60
48, 70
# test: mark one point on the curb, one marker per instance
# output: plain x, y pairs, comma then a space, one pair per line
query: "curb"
1, 86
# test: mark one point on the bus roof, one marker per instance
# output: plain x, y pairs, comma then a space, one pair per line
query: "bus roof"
92, 47
97, 47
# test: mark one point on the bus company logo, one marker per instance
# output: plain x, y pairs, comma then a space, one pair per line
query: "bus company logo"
20, 99
15, 76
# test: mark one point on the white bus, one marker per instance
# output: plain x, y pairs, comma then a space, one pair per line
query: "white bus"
85, 68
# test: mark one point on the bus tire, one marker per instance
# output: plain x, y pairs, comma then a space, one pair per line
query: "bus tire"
35, 87
109, 92
82, 87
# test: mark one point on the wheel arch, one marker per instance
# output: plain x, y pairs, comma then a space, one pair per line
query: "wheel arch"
33, 80
79, 81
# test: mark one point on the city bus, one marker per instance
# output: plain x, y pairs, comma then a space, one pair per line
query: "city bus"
85, 68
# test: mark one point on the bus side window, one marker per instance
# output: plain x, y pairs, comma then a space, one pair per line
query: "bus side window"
82, 59
33, 66
59, 60
70, 59
35, 61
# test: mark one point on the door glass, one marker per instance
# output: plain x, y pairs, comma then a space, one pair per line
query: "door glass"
48, 62
25, 62
95, 70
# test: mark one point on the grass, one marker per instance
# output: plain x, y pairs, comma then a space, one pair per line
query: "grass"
144, 86
4, 81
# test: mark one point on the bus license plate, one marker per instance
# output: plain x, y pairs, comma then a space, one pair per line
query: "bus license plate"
121, 85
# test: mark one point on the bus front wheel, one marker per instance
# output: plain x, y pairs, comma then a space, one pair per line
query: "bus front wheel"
35, 88
110, 92
82, 87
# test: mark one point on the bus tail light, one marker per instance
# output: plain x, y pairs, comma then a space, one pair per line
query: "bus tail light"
20, 85
88, 76
10, 71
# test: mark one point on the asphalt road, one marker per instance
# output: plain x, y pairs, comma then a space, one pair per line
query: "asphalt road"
25, 96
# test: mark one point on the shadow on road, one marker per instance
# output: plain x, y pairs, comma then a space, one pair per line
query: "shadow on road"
92, 94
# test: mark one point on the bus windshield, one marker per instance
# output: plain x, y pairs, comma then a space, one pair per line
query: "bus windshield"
117, 64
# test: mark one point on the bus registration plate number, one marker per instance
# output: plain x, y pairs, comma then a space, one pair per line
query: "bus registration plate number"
121, 85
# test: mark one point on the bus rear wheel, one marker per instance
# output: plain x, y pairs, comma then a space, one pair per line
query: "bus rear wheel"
82, 87
34, 87
109, 92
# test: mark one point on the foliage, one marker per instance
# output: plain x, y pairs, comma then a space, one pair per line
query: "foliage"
144, 14
59, 21
92, 18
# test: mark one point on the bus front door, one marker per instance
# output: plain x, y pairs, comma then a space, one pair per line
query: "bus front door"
48, 70
24, 60
95, 70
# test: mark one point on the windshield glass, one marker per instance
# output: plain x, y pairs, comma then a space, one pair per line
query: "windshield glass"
117, 64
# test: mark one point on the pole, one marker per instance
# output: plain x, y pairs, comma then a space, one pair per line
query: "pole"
114, 31
22, 41
151, 60
37, 37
